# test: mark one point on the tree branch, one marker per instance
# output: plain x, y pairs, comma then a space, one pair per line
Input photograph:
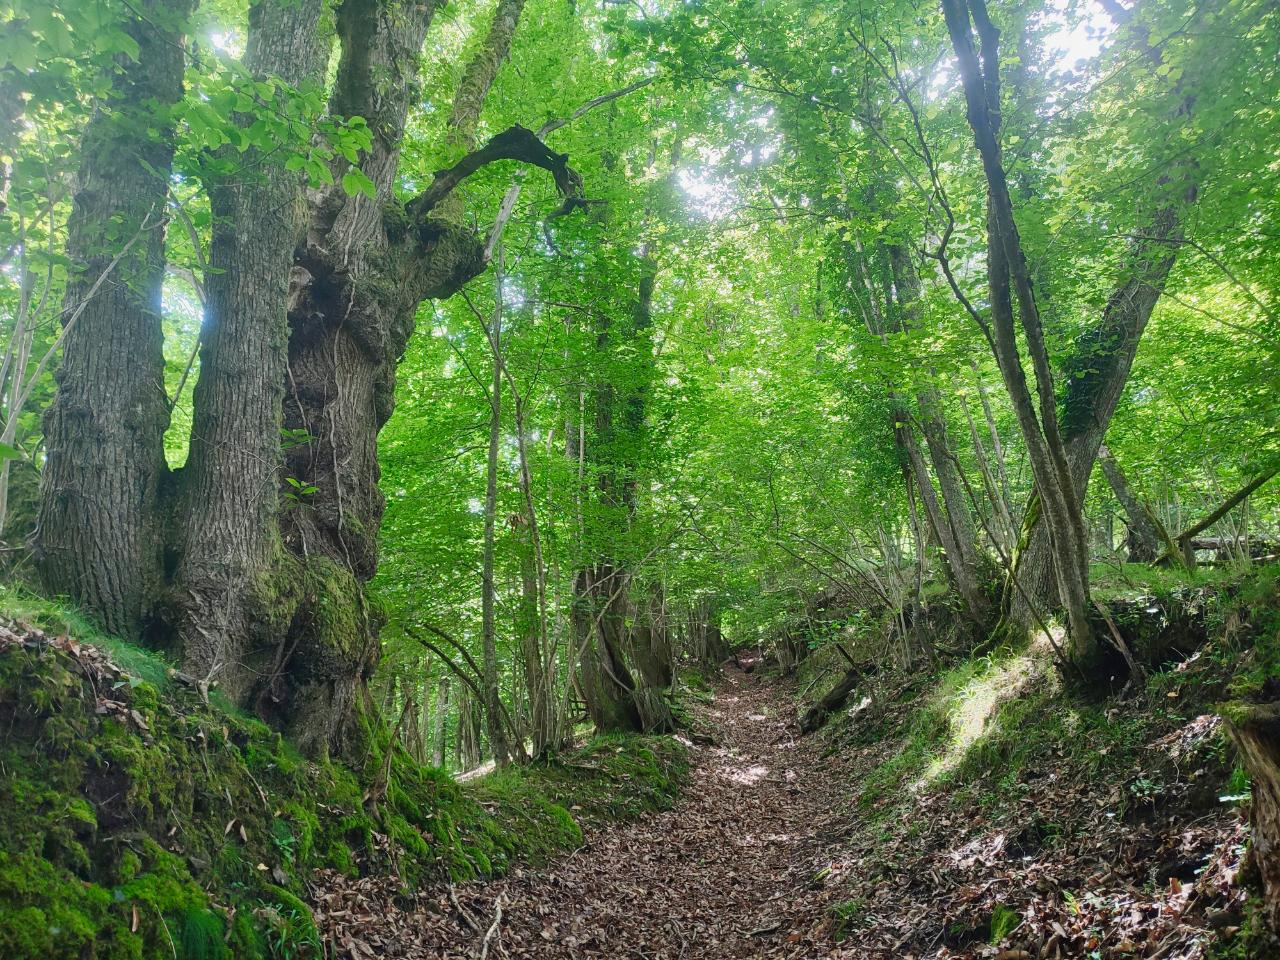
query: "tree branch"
514, 143
1228, 505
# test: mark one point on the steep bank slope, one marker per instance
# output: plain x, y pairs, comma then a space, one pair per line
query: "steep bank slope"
995, 810
138, 821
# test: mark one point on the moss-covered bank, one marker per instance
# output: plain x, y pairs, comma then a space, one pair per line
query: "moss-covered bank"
1108, 815
138, 821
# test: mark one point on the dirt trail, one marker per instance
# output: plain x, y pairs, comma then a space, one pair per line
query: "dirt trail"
723, 875
733, 872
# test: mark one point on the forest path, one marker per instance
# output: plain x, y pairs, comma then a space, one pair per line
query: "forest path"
725, 874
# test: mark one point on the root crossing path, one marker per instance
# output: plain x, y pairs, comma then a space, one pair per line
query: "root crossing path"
728, 873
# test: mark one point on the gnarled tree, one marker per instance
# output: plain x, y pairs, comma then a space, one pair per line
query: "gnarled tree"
312, 298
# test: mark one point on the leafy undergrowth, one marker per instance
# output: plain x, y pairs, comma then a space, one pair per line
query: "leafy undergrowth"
998, 812
138, 821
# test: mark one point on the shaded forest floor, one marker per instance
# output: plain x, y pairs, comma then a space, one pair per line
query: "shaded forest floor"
972, 807
721, 875
833, 846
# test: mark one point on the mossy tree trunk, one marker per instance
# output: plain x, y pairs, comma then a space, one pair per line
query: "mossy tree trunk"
312, 298
598, 630
1008, 275
364, 268
1097, 371
99, 536
1103, 356
1255, 727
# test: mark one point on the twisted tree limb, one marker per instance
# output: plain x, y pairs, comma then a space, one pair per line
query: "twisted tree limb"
514, 143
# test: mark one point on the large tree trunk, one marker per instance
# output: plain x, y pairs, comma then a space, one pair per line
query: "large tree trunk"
1098, 370
651, 641
618, 698
1104, 357
267, 593
655, 665
599, 624
351, 303
234, 595
99, 539
363, 271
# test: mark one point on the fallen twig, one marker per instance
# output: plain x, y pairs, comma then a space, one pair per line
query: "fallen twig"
462, 911
493, 928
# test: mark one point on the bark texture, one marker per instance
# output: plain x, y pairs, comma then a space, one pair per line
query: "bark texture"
1103, 359
1008, 274
99, 534
599, 625
1256, 731
1098, 370
360, 275
311, 299
232, 597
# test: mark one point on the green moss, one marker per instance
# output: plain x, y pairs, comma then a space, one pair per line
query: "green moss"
129, 808
334, 602
1253, 940
246, 940
45, 911
1255, 615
